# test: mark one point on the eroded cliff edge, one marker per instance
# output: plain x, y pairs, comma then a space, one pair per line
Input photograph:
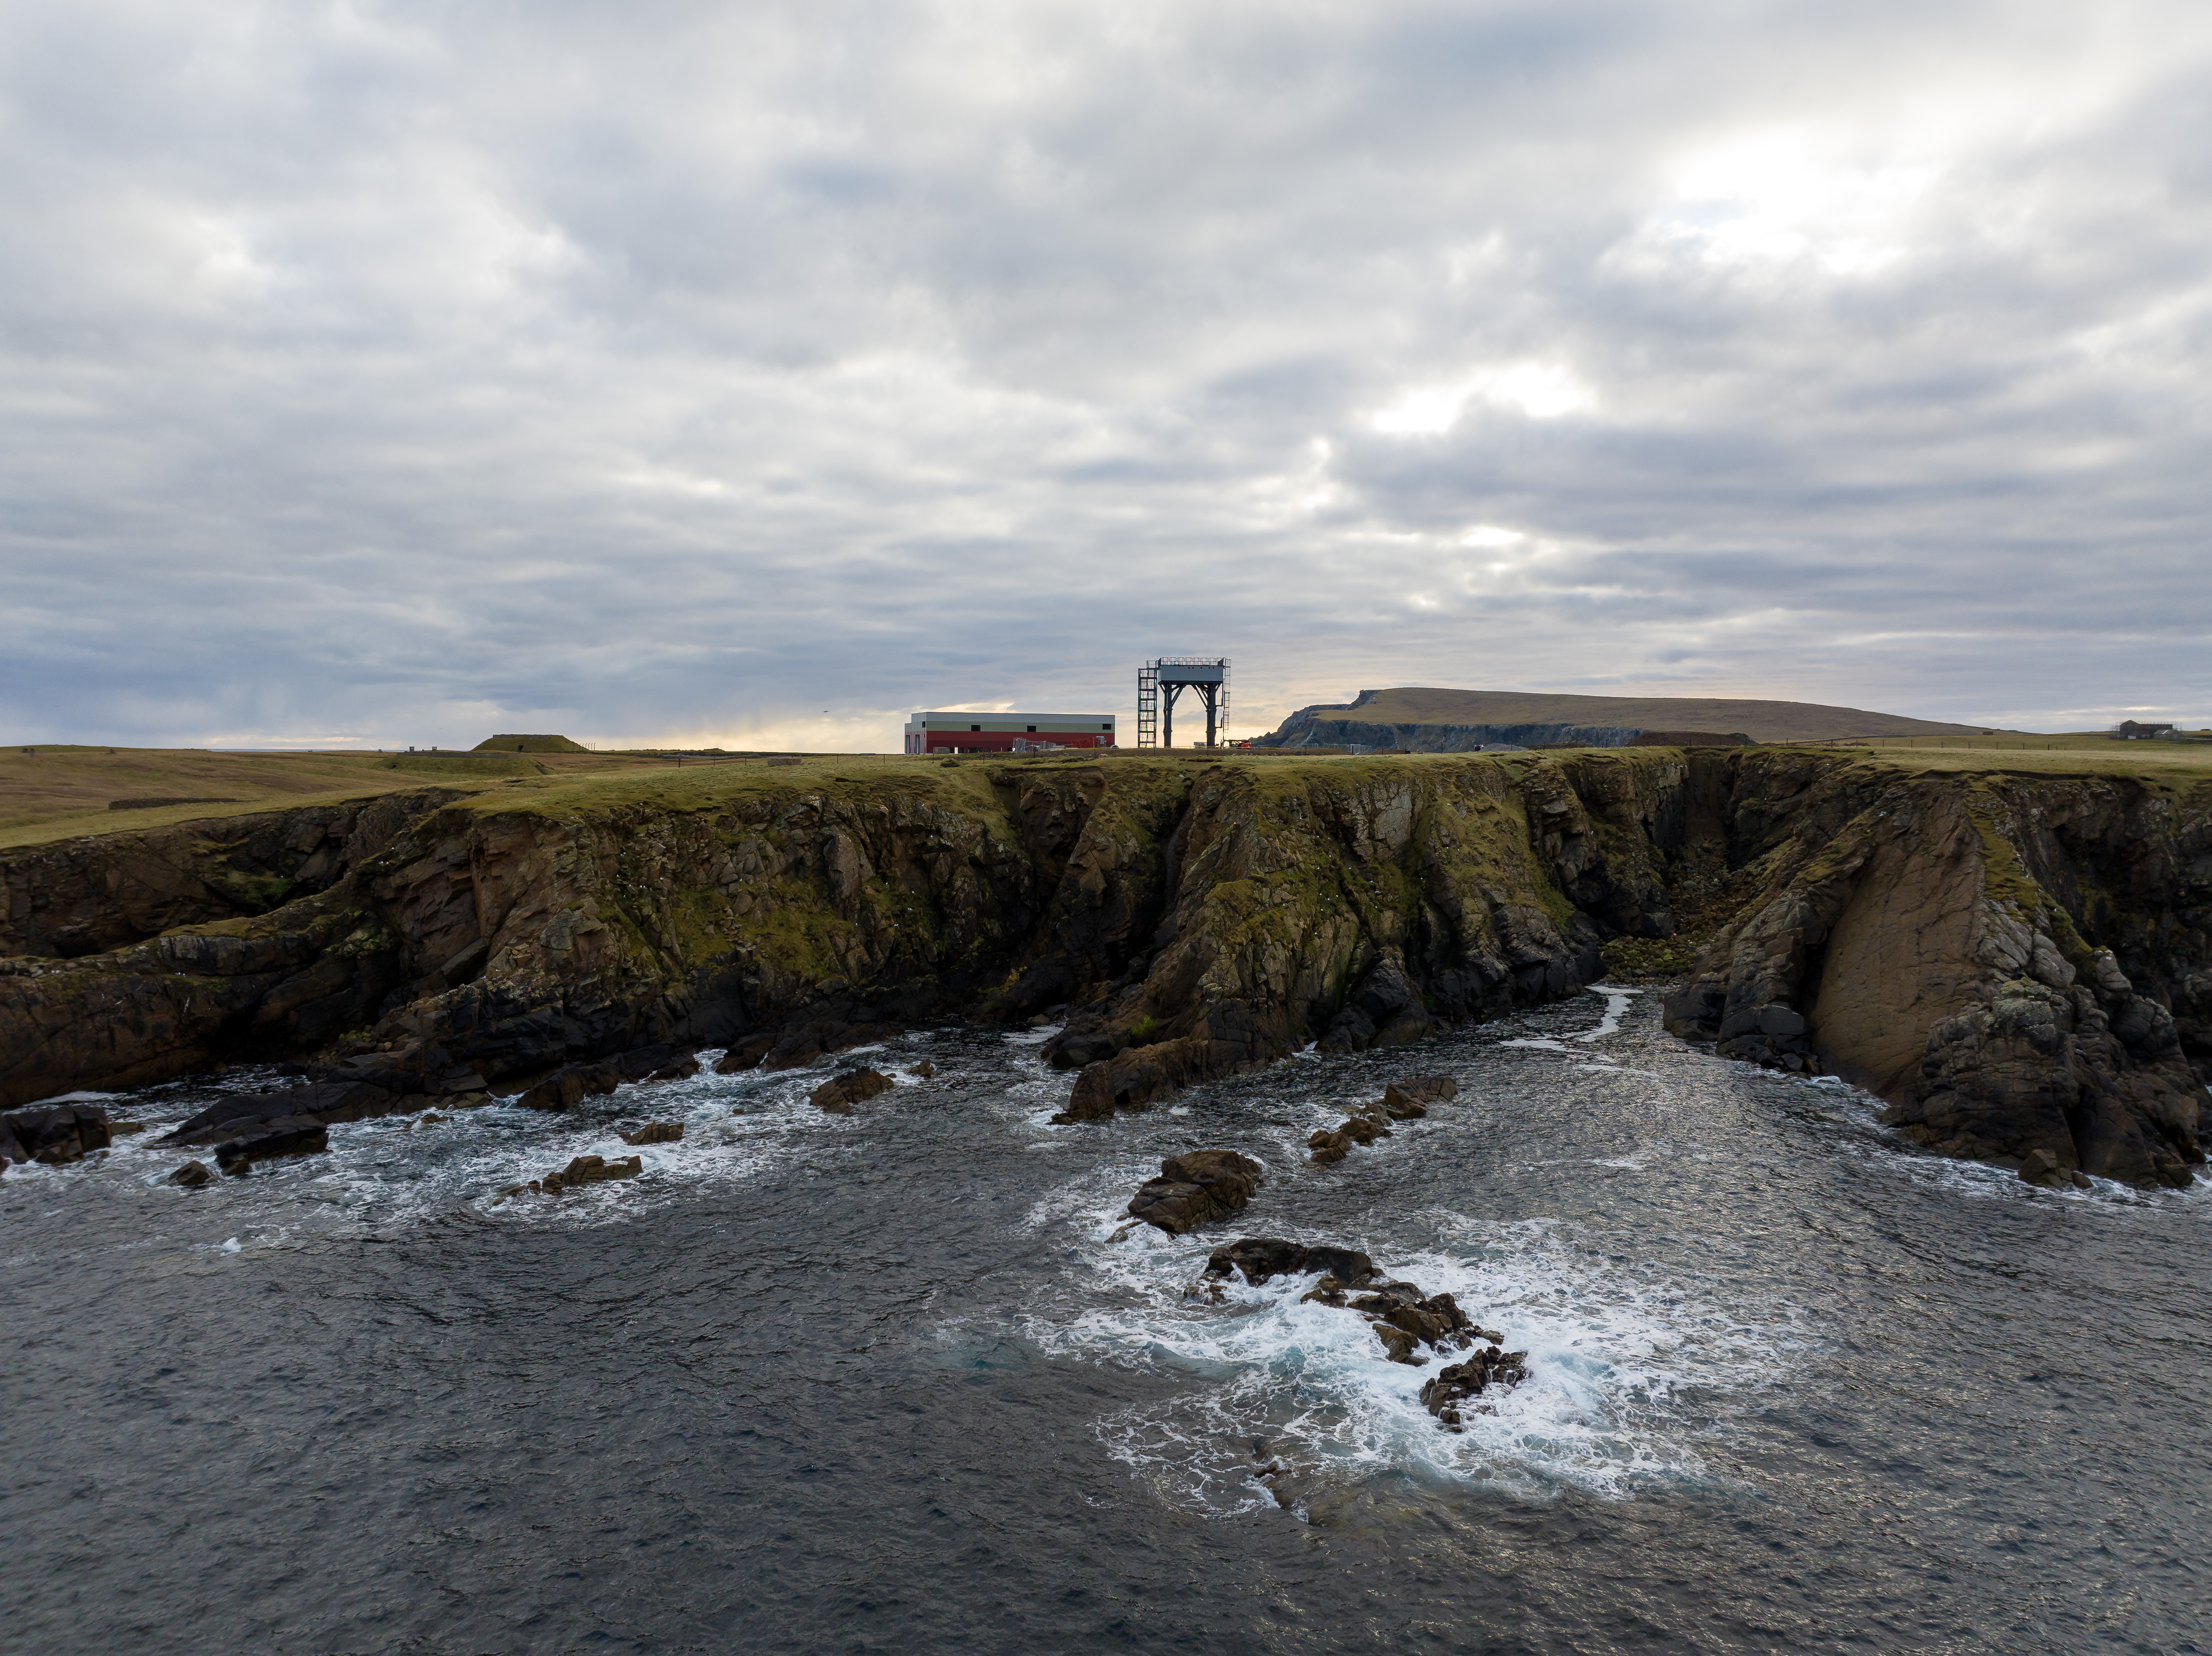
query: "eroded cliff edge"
2017, 964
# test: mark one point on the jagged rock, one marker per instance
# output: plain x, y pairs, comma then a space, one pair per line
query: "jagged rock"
1405, 1099
58, 1134
124, 1129
655, 1132
263, 1140
1400, 1101
1195, 1187
191, 1175
839, 1093
1458, 1382
583, 1170
1260, 1257
682, 1069
1403, 1317
924, 1070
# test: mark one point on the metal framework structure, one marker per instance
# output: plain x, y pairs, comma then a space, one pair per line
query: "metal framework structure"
1159, 683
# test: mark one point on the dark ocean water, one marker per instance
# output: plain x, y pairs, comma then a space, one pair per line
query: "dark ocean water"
887, 1382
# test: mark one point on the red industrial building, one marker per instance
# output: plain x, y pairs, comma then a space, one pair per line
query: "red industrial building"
1006, 732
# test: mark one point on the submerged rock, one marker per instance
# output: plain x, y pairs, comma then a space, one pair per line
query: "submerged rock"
924, 1070
655, 1132
839, 1093
58, 1134
1195, 1187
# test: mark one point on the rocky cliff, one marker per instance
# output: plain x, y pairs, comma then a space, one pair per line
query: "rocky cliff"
1955, 942
2017, 963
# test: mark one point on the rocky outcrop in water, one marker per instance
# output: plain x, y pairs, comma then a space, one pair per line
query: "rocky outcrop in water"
580, 1171
1462, 1382
58, 1134
265, 1139
656, 1132
1403, 1100
1195, 1187
1404, 1318
839, 1093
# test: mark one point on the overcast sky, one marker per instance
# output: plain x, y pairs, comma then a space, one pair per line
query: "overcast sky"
761, 373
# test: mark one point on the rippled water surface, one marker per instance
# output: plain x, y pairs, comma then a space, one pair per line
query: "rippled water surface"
907, 1379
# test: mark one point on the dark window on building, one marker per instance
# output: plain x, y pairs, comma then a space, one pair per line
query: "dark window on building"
1032, 730
974, 727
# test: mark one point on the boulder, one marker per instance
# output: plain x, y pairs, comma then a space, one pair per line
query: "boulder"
682, 1069
1260, 1257
839, 1093
923, 1071
655, 1132
191, 1175
1327, 1147
58, 1134
1195, 1187
288, 1135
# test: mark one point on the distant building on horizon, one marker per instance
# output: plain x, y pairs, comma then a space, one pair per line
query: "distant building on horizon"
928, 733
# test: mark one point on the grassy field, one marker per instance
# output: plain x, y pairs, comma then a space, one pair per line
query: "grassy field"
59, 792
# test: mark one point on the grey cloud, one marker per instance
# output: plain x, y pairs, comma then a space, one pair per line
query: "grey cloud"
407, 372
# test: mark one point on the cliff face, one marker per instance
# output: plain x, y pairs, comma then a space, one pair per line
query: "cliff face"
2017, 964
1955, 943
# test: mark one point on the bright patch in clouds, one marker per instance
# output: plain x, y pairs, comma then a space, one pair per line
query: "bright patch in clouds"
1542, 391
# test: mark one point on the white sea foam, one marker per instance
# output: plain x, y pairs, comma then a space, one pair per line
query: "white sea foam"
1609, 1355
1616, 1003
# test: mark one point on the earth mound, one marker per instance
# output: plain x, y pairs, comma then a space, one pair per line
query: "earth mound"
529, 745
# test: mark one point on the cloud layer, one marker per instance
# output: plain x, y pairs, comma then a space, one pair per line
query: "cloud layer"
403, 373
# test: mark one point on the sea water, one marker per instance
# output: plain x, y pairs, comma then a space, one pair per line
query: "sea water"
909, 1379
